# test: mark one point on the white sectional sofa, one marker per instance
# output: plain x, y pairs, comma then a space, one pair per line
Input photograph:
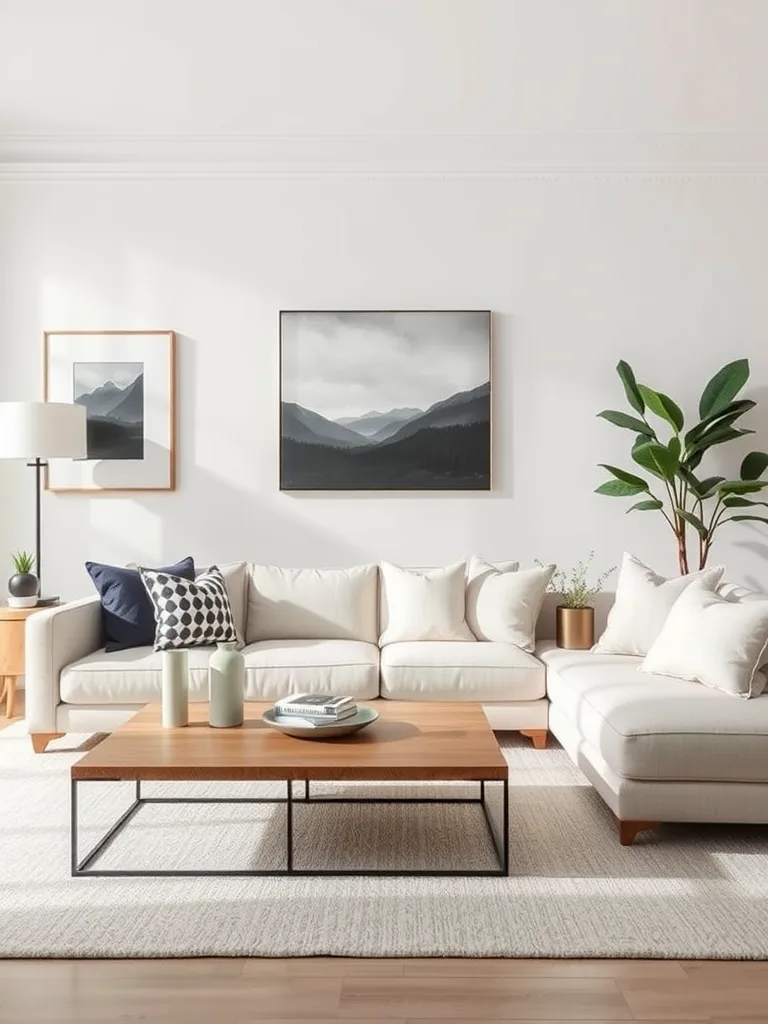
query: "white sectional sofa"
656, 749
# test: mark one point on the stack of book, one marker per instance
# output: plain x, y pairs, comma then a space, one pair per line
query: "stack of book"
314, 709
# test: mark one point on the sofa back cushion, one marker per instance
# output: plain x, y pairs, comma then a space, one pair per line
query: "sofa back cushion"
312, 604
236, 581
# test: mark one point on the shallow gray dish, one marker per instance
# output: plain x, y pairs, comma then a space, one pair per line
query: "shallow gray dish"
364, 716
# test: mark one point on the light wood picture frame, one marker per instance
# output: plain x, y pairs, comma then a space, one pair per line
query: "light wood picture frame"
126, 380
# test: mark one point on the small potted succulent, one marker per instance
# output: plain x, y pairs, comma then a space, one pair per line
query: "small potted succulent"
23, 586
575, 625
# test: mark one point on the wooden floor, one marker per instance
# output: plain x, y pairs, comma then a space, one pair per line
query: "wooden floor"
375, 991
219, 991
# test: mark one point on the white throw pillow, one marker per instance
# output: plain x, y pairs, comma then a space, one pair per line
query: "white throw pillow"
478, 570
643, 601
427, 605
713, 640
504, 606
312, 604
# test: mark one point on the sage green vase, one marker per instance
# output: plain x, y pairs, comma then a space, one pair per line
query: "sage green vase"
226, 686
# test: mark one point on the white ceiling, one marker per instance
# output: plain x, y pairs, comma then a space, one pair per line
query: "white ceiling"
381, 67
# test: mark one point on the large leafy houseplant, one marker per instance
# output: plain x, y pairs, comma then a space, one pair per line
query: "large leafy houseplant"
677, 489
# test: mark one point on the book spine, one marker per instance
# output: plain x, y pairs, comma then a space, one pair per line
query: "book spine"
309, 709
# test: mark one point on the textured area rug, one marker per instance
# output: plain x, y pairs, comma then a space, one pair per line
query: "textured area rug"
573, 890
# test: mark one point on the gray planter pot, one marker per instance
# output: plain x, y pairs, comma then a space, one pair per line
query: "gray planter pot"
23, 588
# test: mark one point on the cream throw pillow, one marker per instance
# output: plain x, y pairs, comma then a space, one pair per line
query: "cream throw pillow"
713, 640
478, 571
643, 601
504, 606
427, 605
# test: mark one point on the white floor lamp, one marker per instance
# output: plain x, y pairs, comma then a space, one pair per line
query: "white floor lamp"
38, 431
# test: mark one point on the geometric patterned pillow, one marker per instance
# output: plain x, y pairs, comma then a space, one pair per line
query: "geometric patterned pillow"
189, 613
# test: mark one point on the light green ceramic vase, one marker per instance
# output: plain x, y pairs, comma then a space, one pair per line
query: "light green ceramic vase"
226, 686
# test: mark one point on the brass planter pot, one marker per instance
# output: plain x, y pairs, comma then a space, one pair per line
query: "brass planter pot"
575, 628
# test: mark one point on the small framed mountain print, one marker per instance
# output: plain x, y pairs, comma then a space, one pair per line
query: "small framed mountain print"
385, 400
125, 380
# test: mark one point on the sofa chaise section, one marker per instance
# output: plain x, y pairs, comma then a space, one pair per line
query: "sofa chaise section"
658, 749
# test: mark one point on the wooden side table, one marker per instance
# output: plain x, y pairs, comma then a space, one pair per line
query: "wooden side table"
12, 625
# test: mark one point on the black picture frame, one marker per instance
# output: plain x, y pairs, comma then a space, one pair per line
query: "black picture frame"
460, 449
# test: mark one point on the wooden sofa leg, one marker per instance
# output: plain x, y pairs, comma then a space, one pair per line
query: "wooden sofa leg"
538, 736
40, 740
629, 830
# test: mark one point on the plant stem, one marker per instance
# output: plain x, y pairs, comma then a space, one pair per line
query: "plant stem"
714, 522
682, 552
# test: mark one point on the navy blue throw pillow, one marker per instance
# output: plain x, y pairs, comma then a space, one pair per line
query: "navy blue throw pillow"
126, 610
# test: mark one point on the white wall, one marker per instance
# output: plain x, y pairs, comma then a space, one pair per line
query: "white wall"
572, 167
666, 272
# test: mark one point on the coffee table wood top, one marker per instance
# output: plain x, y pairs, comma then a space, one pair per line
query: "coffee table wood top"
409, 742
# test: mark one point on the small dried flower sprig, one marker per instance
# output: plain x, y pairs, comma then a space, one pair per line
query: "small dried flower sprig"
572, 585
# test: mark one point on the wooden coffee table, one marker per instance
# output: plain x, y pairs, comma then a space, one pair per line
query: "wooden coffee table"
410, 742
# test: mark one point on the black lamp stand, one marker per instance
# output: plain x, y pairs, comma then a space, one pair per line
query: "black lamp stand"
38, 465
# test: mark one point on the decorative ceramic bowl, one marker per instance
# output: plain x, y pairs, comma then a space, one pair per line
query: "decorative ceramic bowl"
293, 725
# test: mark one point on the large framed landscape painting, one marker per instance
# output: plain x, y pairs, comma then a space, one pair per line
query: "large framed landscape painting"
125, 380
385, 400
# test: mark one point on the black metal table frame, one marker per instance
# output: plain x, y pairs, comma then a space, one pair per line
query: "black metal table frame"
82, 867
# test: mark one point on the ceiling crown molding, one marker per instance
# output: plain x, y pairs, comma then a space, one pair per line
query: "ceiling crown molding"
139, 157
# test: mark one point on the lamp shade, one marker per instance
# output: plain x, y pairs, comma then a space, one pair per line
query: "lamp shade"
42, 430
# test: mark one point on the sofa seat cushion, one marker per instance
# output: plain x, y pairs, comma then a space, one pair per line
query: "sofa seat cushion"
273, 669
453, 670
276, 668
653, 727
128, 677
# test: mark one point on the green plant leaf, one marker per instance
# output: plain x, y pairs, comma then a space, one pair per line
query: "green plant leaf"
674, 447
23, 561
643, 457
723, 387
699, 488
627, 376
718, 435
693, 521
663, 406
693, 460
619, 489
664, 461
725, 416
708, 486
753, 466
744, 519
736, 502
689, 478
651, 505
715, 423
625, 477
739, 487
623, 419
